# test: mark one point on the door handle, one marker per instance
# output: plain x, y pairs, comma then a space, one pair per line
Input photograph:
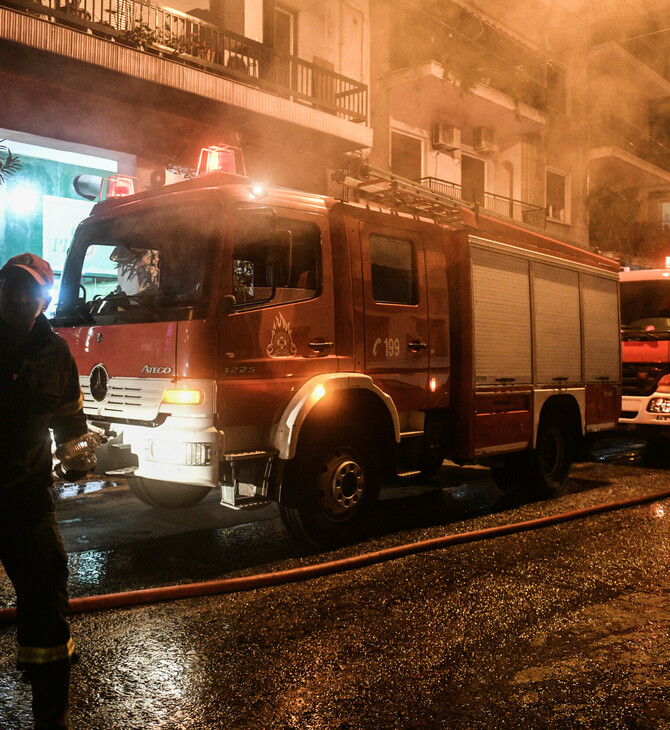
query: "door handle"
415, 346
319, 345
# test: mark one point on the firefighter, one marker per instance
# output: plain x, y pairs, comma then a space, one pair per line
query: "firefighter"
39, 389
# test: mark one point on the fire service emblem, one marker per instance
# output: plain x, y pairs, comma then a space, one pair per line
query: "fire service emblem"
281, 344
98, 381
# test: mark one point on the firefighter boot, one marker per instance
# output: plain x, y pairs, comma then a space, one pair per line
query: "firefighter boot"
51, 685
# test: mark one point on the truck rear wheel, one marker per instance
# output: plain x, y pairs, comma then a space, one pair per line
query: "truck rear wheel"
542, 472
166, 495
333, 485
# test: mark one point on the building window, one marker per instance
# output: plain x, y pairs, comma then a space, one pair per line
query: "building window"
557, 87
285, 44
285, 37
406, 155
393, 270
557, 196
665, 215
473, 175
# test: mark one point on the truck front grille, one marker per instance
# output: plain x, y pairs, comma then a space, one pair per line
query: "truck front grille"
127, 398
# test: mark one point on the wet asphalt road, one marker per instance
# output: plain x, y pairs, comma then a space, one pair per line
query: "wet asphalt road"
564, 627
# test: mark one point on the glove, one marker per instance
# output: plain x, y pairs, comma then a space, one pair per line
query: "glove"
76, 467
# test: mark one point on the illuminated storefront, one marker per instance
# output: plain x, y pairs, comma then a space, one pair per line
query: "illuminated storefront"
39, 206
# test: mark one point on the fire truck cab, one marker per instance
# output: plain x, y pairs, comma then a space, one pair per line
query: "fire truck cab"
280, 345
645, 320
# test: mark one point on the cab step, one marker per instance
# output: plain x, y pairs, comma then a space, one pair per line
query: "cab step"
246, 478
125, 471
233, 500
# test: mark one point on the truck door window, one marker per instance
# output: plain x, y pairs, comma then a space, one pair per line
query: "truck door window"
393, 270
275, 266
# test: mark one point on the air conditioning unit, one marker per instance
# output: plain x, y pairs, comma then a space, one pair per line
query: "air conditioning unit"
485, 139
446, 137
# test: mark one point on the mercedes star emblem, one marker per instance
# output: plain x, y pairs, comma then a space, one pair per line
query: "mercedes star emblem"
99, 382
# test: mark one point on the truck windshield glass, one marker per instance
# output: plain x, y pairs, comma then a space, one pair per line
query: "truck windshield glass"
645, 309
145, 266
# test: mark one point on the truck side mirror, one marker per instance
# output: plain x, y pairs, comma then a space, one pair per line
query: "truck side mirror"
227, 304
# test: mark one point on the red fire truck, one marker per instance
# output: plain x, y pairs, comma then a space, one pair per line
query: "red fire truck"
645, 319
279, 345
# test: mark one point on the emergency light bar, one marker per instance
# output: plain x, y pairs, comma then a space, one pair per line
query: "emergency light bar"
118, 186
221, 158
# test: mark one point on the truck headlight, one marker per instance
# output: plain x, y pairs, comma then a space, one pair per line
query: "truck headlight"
184, 396
659, 405
179, 453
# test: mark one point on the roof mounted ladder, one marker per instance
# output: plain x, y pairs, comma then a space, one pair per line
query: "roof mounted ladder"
402, 194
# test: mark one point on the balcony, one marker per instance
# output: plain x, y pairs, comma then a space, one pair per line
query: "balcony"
619, 150
499, 205
156, 44
422, 94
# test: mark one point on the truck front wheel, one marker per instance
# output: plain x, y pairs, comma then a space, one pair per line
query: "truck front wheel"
166, 495
542, 472
332, 485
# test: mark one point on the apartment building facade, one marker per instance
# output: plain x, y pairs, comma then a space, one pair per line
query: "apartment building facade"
98, 87
629, 131
484, 102
556, 114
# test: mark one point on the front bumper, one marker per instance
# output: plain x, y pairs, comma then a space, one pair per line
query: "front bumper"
180, 450
651, 410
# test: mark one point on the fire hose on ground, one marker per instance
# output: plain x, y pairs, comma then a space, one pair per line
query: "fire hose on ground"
292, 575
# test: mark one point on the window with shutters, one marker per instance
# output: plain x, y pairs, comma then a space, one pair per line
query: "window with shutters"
473, 174
406, 154
285, 44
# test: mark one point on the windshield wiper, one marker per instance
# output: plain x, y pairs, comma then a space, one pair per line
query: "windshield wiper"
78, 312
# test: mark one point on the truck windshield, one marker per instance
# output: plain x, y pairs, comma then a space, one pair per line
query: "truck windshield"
145, 266
645, 309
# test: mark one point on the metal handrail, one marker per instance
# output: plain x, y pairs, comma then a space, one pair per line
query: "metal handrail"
534, 215
188, 39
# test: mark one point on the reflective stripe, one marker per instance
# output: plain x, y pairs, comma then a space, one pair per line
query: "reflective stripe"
41, 655
71, 407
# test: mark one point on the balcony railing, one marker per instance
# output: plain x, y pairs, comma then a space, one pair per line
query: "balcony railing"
533, 215
473, 51
612, 131
191, 40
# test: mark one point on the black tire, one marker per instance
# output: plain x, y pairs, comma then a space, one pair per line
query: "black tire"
166, 495
332, 486
542, 472
430, 464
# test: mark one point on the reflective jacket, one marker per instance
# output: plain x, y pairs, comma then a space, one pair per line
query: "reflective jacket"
39, 389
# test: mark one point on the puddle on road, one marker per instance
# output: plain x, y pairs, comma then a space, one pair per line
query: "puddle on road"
67, 490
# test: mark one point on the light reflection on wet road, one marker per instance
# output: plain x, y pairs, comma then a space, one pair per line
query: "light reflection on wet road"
564, 627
